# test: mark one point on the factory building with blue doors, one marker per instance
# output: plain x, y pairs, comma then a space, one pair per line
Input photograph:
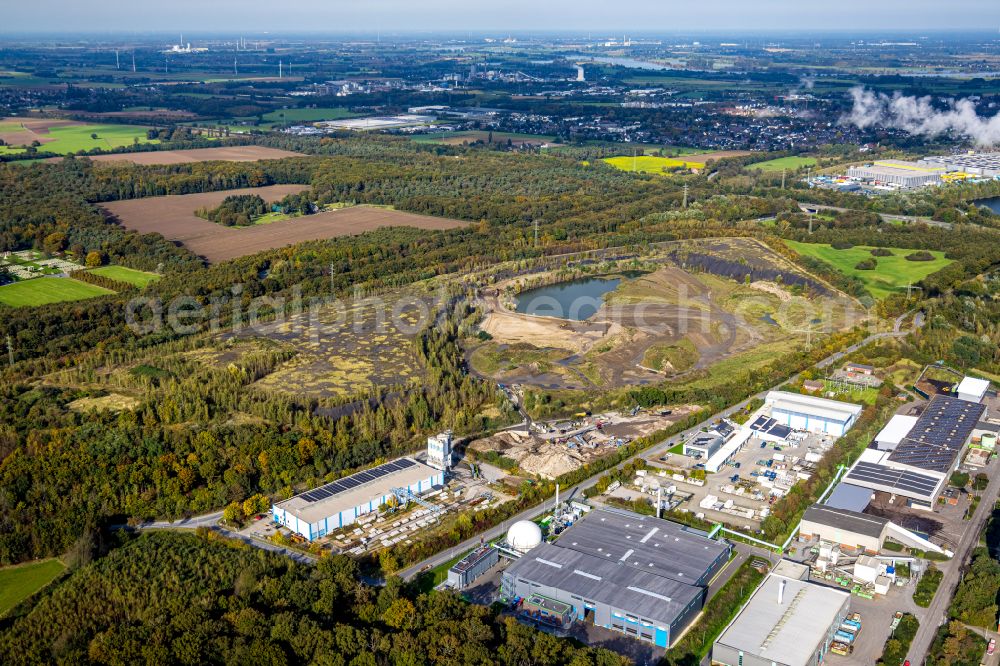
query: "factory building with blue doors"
638, 575
329, 507
812, 414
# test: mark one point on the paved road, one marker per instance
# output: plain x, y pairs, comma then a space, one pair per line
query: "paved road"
211, 520
887, 217
194, 522
577, 490
935, 614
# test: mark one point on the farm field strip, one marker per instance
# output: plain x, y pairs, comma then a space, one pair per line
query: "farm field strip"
174, 217
67, 136
783, 163
657, 164
222, 154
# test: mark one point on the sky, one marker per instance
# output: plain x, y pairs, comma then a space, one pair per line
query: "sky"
598, 16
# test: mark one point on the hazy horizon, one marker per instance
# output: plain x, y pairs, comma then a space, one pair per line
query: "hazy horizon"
315, 16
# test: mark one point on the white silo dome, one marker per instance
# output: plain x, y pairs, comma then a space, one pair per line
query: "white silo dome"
524, 535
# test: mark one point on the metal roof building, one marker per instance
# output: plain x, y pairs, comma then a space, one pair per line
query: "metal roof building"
331, 506
841, 526
936, 439
900, 173
638, 575
807, 412
787, 622
917, 466
971, 389
850, 497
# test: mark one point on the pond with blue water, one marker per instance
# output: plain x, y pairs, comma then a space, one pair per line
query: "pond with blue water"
577, 300
993, 203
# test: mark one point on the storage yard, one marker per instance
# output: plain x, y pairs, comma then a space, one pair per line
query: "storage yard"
548, 450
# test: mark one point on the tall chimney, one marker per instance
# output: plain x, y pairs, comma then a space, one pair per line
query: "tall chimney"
556, 507
781, 591
659, 500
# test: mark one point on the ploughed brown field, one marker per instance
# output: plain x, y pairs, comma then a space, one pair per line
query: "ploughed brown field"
224, 154
174, 218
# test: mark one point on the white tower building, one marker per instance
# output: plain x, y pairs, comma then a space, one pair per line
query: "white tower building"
439, 451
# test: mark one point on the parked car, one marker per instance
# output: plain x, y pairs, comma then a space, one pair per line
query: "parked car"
992, 647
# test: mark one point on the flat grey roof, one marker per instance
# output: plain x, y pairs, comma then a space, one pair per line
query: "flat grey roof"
356, 489
939, 434
643, 542
852, 521
786, 633
607, 581
850, 497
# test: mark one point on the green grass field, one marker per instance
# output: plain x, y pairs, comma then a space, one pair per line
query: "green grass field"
20, 582
308, 115
890, 276
650, 164
790, 163
130, 275
42, 291
74, 138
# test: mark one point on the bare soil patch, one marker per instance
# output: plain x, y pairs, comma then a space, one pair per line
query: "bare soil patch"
174, 218
222, 154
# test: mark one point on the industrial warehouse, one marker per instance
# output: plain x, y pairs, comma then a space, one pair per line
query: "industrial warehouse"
787, 622
912, 458
633, 574
806, 412
899, 173
329, 507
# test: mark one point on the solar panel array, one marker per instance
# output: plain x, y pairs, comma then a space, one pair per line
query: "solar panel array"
892, 479
356, 480
939, 434
770, 426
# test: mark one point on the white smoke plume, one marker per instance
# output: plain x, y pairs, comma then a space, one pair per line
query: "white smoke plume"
917, 115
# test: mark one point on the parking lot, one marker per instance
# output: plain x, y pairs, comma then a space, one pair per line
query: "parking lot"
752, 478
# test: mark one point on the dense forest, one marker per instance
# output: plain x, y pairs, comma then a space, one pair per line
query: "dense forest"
194, 599
236, 210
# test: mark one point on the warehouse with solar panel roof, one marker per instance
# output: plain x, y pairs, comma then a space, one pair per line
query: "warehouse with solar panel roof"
907, 466
317, 512
912, 457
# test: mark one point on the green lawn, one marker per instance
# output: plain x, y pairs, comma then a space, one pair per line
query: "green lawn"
790, 163
650, 164
890, 276
42, 291
129, 275
74, 138
19, 582
867, 396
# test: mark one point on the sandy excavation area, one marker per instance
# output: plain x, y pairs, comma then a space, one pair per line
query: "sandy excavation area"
549, 455
174, 217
